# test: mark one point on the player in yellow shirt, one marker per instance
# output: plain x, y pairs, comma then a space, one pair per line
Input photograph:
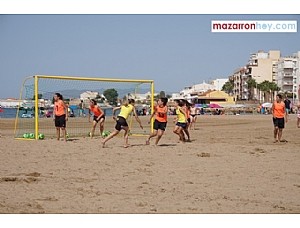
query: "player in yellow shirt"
181, 120
125, 110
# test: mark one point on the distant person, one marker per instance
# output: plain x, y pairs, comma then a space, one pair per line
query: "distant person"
279, 118
125, 110
180, 120
98, 117
60, 115
193, 117
186, 108
160, 122
298, 115
81, 108
202, 112
287, 104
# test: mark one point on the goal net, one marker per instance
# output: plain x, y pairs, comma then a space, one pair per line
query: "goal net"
34, 117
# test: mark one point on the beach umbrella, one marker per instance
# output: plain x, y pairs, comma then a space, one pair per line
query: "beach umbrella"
267, 105
201, 105
214, 105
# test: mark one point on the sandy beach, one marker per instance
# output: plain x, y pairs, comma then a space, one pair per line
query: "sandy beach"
231, 166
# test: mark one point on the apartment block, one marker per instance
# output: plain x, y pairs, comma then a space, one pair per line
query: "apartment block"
288, 76
262, 66
240, 87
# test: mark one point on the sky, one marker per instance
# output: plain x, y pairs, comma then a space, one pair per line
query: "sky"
173, 50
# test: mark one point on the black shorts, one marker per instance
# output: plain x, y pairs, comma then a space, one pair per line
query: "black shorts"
121, 122
183, 125
193, 115
159, 125
278, 122
96, 118
60, 121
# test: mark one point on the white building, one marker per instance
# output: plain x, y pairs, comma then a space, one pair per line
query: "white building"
11, 103
89, 95
142, 96
191, 92
218, 83
288, 75
198, 88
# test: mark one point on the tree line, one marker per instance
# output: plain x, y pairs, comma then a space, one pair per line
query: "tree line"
266, 87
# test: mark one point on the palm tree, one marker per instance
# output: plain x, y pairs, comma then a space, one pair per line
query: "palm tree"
228, 87
251, 85
273, 87
265, 88
268, 89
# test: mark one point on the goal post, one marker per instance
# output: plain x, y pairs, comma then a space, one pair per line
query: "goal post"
35, 111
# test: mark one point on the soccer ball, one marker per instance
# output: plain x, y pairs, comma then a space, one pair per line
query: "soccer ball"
31, 136
105, 133
90, 134
41, 136
26, 135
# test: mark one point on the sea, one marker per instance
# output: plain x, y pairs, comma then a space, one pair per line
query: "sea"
8, 113
12, 112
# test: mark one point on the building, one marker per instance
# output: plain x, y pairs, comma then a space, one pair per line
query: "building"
217, 97
143, 97
240, 87
288, 75
89, 95
261, 64
218, 83
191, 92
11, 103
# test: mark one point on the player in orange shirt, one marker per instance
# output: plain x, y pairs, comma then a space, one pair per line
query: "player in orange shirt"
160, 122
280, 116
60, 115
99, 117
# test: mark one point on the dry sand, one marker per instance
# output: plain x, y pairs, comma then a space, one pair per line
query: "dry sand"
231, 166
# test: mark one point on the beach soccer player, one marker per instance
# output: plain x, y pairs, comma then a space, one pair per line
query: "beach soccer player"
60, 115
99, 117
160, 122
121, 121
181, 120
279, 118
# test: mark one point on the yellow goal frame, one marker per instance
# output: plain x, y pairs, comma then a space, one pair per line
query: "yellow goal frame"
36, 87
